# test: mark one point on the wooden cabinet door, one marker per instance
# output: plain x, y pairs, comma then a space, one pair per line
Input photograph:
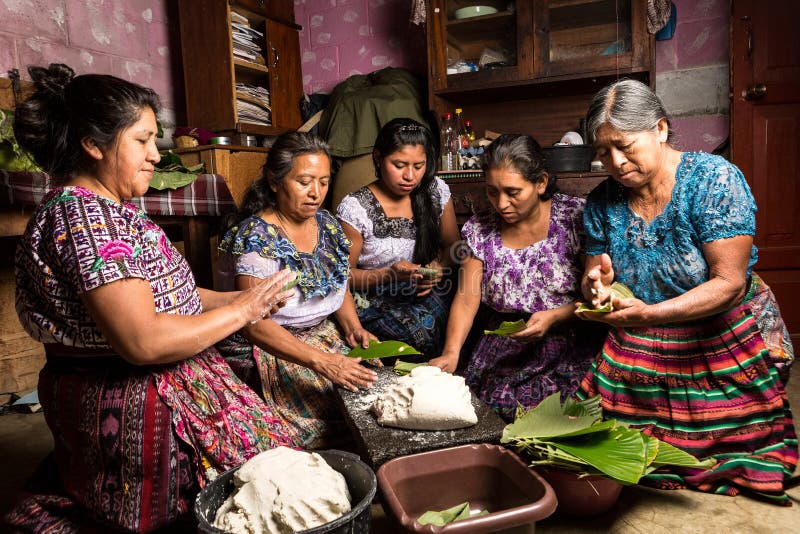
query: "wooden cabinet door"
207, 64
437, 45
285, 76
765, 138
587, 36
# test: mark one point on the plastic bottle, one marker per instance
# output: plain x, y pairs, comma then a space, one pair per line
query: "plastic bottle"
470, 131
461, 129
448, 140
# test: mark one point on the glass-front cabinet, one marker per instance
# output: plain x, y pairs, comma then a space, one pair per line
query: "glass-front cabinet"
579, 36
499, 43
479, 42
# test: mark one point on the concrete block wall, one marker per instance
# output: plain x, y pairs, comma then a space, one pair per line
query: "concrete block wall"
126, 38
692, 74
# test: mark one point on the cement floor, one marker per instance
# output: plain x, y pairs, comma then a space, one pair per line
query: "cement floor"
25, 440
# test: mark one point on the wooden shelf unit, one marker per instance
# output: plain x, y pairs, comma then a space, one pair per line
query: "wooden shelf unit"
211, 71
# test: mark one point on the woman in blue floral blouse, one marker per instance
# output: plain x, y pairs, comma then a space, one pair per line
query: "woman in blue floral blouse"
298, 354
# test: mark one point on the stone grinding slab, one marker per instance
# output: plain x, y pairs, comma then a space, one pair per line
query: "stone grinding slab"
379, 444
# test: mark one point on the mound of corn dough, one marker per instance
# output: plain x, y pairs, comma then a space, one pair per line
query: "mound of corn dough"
426, 399
282, 491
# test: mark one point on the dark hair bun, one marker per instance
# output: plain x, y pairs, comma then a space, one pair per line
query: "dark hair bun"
53, 80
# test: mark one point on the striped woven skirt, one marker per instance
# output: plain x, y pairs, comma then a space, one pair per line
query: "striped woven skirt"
302, 399
708, 389
134, 444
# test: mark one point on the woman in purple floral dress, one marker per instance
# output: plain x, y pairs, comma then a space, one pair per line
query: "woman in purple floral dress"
525, 263
142, 408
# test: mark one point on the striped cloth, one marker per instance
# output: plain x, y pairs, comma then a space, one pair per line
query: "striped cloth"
303, 400
707, 388
207, 195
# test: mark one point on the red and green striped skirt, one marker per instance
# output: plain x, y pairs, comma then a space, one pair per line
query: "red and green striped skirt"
708, 388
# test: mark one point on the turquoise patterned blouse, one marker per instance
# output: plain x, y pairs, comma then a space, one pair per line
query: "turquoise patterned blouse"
664, 258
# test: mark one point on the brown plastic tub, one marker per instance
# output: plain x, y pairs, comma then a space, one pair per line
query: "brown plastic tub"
490, 477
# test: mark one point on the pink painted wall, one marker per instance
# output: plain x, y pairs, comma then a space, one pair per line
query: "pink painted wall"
126, 38
345, 37
130, 39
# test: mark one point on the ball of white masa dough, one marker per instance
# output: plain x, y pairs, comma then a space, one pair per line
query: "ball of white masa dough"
426, 399
281, 491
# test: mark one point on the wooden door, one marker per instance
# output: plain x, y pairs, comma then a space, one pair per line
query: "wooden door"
285, 77
765, 138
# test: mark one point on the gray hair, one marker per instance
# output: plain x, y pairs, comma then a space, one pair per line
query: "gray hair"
627, 106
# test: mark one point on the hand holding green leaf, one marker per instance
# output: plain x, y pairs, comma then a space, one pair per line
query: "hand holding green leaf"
618, 291
507, 327
383, 349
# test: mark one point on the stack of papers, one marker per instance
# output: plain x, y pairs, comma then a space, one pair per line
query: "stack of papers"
252, 104
246, 40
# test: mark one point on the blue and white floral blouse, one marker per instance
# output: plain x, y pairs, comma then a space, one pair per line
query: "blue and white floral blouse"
664, 258
260, 249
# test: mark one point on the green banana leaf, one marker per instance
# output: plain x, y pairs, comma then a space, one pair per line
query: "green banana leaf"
618, 453
456, 513
12, 156
508, 327
383, 349
590, 406
427, 272
546, 420
619, 290
573, 436
174, 179
403, 368
293, 282
671, 455
170, 173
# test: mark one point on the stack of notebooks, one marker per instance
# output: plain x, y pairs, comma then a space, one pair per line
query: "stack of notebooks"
244, 40
252, 104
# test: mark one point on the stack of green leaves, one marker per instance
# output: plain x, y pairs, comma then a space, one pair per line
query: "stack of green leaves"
573, 436
170, 172
12, 156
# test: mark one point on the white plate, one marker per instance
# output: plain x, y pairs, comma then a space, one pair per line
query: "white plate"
473, 11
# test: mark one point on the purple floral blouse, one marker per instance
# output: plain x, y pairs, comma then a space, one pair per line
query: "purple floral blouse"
78, 241
542, 276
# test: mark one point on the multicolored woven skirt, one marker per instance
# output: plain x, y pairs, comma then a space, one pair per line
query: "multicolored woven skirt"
707, 388
133, 445
508, 374
395, 312
304, 400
